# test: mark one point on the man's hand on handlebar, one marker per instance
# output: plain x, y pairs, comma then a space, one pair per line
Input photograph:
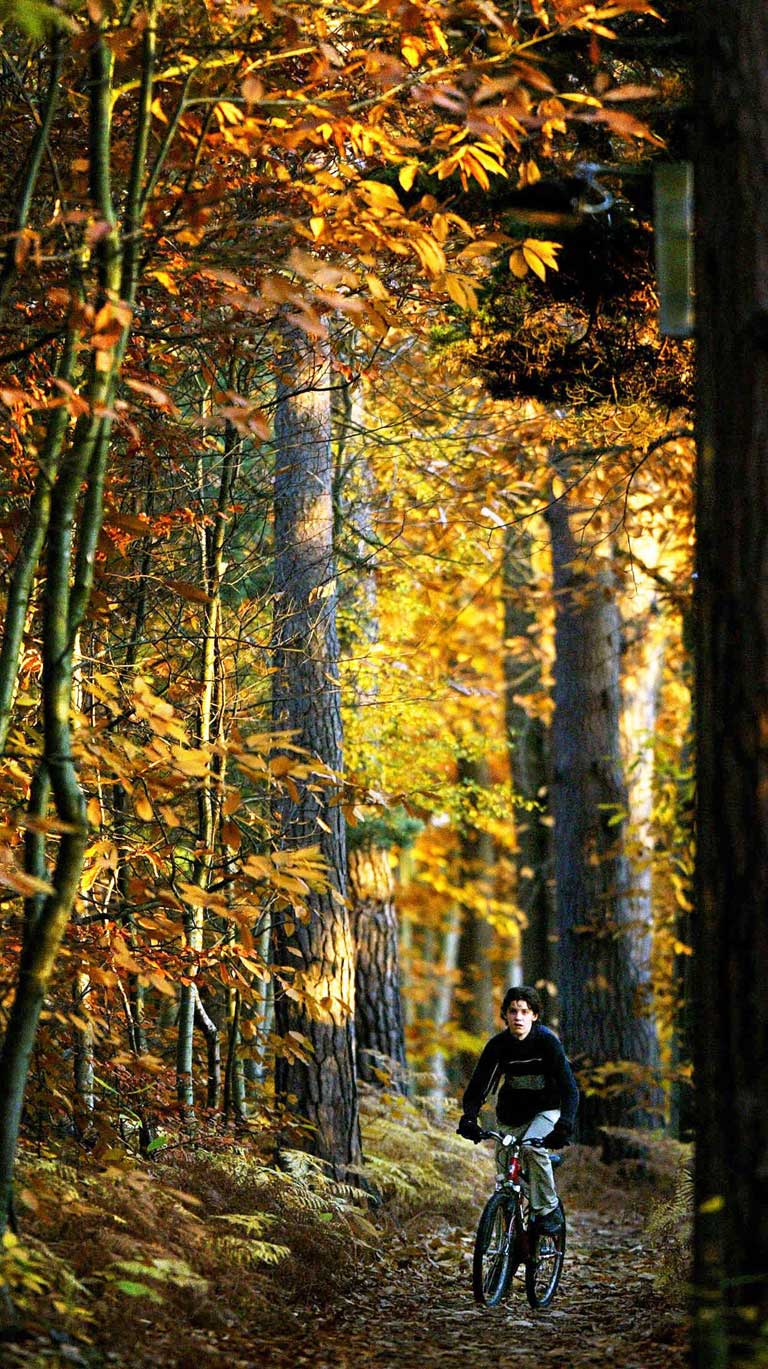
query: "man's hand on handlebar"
470, 1129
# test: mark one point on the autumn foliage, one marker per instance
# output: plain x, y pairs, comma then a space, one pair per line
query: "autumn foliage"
185, 188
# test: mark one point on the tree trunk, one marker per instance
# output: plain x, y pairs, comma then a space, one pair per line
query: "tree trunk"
378, 1008
445, 979
474, 990
600, 1016
379, 1012
74, 507
731, 928
528, 745
314, 959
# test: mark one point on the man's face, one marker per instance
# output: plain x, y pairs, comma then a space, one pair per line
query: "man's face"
520, 1017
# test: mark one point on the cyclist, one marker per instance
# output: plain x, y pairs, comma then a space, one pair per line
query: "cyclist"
538, 1097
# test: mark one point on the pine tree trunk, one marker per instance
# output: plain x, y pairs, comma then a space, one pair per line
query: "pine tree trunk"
314, 959
379, 1012
378, 1008
731, 610
601, 1017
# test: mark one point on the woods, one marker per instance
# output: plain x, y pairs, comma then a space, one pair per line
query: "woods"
364, 603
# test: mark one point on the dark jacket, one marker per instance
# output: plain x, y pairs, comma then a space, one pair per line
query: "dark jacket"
534, 1075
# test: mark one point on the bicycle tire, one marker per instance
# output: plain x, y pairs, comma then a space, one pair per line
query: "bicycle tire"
492, 1254
544, 1265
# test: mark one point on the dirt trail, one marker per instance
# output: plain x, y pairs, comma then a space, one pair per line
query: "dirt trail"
606, 1312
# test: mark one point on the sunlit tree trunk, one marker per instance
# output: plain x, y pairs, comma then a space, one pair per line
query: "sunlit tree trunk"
731, 611
601, 1012
641, 689
443, 999
528, 744
474, 990
379, 1013
315, 959
378, 1009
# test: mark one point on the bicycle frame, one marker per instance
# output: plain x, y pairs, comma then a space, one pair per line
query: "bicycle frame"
505, 1240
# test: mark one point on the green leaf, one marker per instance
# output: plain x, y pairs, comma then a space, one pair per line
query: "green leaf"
35, 17
138, 1290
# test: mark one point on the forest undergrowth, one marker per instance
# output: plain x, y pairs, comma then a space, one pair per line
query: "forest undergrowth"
215, 1254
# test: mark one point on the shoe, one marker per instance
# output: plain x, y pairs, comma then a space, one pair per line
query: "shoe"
550, 1222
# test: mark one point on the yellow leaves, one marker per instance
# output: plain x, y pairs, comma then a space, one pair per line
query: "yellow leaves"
123, 956
166, 280
413, 49
381, 196
227, 113
534, 255
461, 291
407, 175
430, 254
294, 1046
473, 161
377, 289
528, 173
320, 592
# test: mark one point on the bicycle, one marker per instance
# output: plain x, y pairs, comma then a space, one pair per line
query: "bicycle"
505, 1240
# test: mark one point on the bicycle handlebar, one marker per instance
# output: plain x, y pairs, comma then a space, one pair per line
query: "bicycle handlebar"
508, 1139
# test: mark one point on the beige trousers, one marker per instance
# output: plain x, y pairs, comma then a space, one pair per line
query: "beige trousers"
541, 1182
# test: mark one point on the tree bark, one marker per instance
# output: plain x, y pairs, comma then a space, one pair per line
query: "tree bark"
379, 1024
601, 1017
731, 612
474, 990
528, 745
314, 958
379, 1012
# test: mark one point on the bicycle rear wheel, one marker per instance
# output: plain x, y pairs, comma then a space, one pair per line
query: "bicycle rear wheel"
491, 1261
545, 1264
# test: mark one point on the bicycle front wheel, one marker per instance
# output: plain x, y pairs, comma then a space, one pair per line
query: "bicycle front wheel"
545, 1264
490, 1265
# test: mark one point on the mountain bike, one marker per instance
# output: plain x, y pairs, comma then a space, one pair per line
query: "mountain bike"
506, 1239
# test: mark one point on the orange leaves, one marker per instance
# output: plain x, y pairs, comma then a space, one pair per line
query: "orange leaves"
627, 126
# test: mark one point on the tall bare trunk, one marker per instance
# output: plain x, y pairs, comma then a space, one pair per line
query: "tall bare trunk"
731, 928
476, 856
602, 1019
528, 744
315, 959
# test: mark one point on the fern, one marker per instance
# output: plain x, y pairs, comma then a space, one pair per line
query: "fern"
248, 1254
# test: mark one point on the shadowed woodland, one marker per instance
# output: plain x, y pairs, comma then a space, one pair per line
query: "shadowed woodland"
379, 568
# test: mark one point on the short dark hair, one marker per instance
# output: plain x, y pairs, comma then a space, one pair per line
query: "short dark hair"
522, 993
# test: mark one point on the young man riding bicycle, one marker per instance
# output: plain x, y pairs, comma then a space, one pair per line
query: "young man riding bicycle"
538, 1097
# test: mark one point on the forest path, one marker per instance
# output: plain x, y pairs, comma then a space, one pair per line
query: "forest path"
422, 1313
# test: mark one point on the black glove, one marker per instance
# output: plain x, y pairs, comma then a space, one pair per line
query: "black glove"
559, 1136
468, 1128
